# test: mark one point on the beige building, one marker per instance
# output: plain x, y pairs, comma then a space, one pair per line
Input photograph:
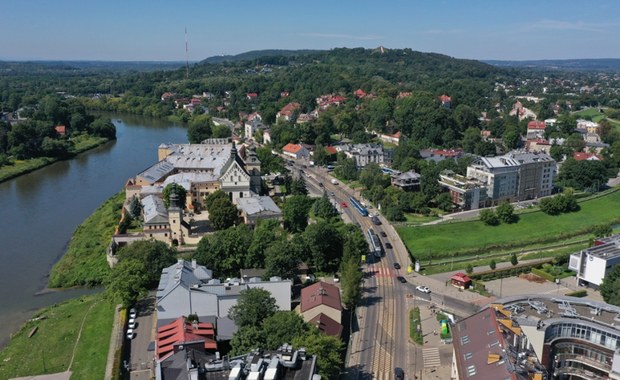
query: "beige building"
321, 300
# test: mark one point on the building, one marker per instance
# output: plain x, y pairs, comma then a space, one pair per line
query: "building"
296, 151
446, 101
285, 362
257, 208
592, 264
287, 112
536, 127
407, 181
465, 193
363, 154
515, 176
61, 130
392, 139
186, 288
539, 337
320, 305
441, 154
250, 128
179, 334
460, 280
538, 145
584, 156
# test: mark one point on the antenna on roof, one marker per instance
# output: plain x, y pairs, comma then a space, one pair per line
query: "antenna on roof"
186, 56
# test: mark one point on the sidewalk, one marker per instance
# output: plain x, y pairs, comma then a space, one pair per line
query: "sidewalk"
428, 363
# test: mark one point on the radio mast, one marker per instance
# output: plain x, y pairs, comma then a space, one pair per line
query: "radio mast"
186, 56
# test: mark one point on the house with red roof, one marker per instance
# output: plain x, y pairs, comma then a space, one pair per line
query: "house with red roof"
393, 138
167, 96
251, 96
584, 156
460, 280
296, 151
538, 145
446, 101
326, 101
359, 93
181, 334
287, 112
321, 305
536, 126
61, 130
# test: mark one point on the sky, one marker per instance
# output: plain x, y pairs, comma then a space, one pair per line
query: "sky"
154, 30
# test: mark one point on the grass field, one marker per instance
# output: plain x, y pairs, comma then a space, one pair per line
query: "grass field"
84, 263
443, 240
596, 116
51, 348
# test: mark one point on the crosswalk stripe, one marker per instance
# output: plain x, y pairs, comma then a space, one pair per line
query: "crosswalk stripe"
431, 357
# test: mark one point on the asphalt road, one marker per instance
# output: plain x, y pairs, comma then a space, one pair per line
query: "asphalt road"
138, 356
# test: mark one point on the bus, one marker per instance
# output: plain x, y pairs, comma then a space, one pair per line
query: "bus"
358, 206
375, 243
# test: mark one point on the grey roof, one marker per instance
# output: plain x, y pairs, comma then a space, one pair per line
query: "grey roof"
157, 172
411, 174
208, 157
182, 273
186, 179
154, 210
257, 205
361, 149
514, 159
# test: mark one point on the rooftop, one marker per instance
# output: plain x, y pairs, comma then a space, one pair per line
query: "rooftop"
320, 293
256, 205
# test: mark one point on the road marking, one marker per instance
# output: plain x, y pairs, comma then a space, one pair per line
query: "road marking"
382, 375
431, 357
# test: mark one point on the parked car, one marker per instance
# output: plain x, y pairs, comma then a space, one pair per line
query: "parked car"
396, 266
423, 289
132, 324
399, 374
133, 313
332, 194
401, 279
344, 204
336, 278
375, 220
388, 245
383, 234
130, 334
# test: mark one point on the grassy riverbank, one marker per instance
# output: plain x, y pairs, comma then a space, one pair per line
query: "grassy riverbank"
51, 348
81, 143
84, 263
458, 238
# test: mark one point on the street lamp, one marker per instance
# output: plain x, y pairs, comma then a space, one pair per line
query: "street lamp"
557, 282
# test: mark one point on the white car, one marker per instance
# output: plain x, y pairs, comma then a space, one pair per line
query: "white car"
132, 324
132, 313
130, 334
423, 289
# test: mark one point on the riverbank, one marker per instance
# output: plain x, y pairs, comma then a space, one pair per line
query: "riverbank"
71, 336
21, 167
84, 263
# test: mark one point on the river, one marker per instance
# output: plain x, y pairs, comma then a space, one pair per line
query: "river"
39, 212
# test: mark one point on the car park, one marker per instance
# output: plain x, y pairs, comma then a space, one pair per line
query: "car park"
383, 234
423, 289
130, 334
388, 245
401, 279
396, 266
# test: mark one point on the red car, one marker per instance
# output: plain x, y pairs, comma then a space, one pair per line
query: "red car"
344, 204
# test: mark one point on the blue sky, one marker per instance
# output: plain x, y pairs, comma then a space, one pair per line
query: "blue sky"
133, 30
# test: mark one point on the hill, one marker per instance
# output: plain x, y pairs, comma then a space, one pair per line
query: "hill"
254, 54
601, 64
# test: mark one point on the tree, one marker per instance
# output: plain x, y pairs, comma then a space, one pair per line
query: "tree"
127, 282
223, 214
295, 212
199, 128
505, 213
154, 256
372, 176
610, 287
351, 280
246, 339
178, 190
211, 198
266, 233
602, 230
469, 269
225, 251
282, 258
471, 138
346, 168
511, 138
298, 186
444, 202
513, 259
283, 327
327, 350
324, 244
135, 207
323, 208
492, 265
253, 306
103, 128
489, 217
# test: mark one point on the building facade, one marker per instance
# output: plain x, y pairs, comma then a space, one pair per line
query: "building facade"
592, 264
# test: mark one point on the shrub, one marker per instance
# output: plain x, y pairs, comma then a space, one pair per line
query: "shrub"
513, 259
489, 217
578, 293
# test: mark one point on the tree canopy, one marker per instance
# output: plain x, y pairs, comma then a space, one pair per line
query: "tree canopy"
253, 306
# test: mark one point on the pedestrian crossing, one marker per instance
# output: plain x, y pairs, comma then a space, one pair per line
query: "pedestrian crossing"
380, 272
431, 357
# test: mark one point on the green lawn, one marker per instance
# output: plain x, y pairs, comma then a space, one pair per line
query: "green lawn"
85, 263
51, 348
442, 240
592, 113
419, 219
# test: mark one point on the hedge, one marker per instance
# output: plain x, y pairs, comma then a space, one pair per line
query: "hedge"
578, 293
543, 274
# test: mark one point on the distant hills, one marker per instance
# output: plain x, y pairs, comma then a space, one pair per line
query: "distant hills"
598, 64
254, 54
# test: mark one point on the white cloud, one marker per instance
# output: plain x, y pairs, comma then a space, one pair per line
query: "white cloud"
342, 36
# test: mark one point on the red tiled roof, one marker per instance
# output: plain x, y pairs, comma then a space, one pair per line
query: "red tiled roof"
331, 150
583, 156
536, 125
326, 325
251, 94
359, 93
445, 98
397, 135
320, 293
61, 129
288, 109
462, 277
447, 153
180, 331
291, 148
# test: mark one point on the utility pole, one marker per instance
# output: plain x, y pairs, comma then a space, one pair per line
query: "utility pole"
186, 56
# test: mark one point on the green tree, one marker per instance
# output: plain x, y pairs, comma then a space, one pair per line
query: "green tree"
489, 217
223, 214
469, 269
505, 212
493, 264
269, 162
283, 327
323, 208
253, 306
471, 139
327, 349
127, 282
225, 251
346, 168
513, 259
211, 198
298, 186
444, 202
295, 212
324, 244
246, 339
178, 190
372, 176
154, 255
351, 280
199, 128
610, 287
602, 230
283, 257
103, 128
266, 233
511, 138
135, 207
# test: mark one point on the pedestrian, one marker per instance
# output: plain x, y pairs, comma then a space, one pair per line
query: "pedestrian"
434, 332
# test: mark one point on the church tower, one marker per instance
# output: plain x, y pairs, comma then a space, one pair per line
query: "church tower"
175, 219
252, 166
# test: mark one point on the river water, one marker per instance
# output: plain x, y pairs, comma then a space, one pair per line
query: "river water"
39, 212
